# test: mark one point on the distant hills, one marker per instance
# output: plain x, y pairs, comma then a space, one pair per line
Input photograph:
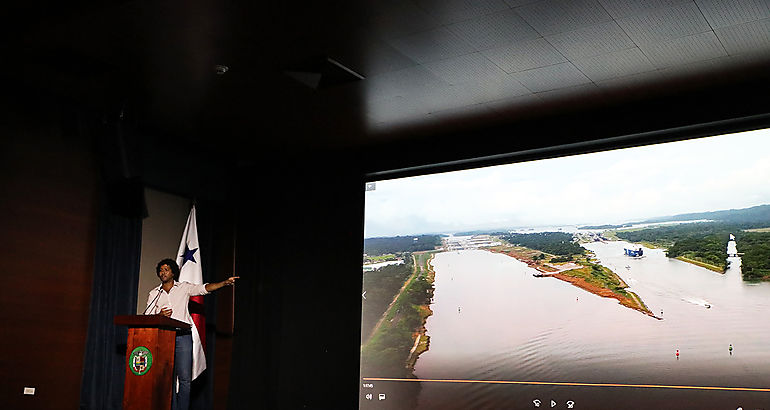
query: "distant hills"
706, 242
755, 215
745, 218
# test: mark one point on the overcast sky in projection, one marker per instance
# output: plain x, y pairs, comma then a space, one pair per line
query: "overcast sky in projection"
628, 185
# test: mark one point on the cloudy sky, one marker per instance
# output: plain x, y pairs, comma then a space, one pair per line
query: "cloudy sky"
704, 174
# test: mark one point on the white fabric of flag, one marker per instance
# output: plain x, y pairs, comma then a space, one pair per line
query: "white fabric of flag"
189, 261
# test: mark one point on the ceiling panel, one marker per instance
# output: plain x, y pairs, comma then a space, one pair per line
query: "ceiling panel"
665, 24
590, 41
518, 3
494, 30
432, 45
617, 64
469, 67
723, 13
491, 89
698, 68
472, 93
753, 37
552, 49
380, 57
525, 55
625, 8
557, 16
508, 104
451, 11
552, 77
384, 112
587, 91
409, 81
467, 111
632, 81
685, 50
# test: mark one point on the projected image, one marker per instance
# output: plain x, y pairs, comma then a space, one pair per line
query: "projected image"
633, 278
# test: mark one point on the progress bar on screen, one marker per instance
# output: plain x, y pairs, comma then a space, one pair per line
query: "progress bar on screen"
539, 383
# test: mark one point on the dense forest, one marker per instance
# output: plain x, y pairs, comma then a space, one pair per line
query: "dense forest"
755, 247
707, 242
555, 243
398, 244
380, 286
666, 236
710, 249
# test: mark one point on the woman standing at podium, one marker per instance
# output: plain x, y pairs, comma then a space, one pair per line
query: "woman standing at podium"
171, 299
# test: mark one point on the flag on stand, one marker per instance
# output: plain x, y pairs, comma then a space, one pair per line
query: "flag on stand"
189, 261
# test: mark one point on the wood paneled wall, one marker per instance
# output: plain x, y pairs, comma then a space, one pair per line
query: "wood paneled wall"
47, 235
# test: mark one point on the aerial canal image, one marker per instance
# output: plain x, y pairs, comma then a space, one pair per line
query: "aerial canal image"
635, 278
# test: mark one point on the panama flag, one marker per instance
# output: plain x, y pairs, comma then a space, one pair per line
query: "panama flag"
189, 261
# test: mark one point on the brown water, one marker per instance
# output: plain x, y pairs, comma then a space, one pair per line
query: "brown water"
493, 321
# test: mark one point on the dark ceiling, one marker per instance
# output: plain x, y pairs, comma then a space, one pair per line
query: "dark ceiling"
365, 73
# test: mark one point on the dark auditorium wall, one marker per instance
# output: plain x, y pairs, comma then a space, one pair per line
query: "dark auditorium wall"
48, 197
297, 318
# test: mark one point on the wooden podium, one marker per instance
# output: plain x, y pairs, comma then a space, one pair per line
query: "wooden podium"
149, 360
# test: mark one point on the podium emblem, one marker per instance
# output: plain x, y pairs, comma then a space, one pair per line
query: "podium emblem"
140, 360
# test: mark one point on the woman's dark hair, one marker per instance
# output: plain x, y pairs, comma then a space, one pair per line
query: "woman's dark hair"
171, 264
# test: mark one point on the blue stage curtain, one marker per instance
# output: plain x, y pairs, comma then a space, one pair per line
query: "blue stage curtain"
114, 292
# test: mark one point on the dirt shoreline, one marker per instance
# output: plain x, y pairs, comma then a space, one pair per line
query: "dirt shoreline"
700, 264
527, 255
605, 293
422, 340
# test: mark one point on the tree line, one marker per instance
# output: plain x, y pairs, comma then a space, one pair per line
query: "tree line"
399, 244
707, 242
555, 243
755, 247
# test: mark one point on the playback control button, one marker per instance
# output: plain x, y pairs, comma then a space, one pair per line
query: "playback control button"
537, 403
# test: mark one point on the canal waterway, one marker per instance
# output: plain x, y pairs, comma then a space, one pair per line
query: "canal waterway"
493, 321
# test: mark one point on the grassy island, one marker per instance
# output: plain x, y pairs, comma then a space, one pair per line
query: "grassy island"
582, 272
702, 264
602, 281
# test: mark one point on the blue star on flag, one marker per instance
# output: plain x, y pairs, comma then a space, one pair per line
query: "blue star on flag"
189, 255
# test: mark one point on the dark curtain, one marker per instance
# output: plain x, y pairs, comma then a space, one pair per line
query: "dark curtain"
298, 302
249, 385
114, 292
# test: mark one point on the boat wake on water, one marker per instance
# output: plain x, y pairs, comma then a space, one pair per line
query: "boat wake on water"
699, 302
